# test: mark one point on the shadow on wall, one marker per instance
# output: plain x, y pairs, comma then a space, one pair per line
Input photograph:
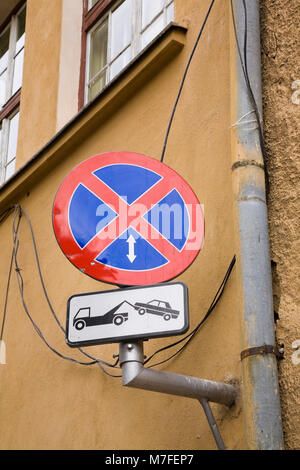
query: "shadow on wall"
276, 290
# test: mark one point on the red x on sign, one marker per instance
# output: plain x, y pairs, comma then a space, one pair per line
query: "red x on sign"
127, 219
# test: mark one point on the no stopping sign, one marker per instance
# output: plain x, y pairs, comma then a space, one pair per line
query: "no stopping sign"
127, 219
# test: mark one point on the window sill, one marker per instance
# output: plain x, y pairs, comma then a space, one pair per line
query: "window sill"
157, 54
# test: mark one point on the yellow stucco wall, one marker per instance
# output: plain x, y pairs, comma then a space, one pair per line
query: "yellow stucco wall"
40, 77
49, 403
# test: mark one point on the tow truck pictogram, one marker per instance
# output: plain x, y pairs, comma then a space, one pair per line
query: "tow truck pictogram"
117, 315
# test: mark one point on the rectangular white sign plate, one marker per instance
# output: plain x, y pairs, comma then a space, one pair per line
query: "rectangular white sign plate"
125, 314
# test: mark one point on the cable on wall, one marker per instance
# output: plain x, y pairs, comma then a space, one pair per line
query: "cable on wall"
3, 217
193, 333
183, 80
18, 212
46, 293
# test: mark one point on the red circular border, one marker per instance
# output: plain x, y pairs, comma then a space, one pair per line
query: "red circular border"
108, 274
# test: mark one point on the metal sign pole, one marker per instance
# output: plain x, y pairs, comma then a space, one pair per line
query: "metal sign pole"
134, 375
212, 423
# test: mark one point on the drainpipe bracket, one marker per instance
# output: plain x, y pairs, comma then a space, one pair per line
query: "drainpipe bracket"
260, 350
243, 163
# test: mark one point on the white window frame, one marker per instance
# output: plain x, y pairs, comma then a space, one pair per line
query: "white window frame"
135, 44
12, 54
11, 106
4, 143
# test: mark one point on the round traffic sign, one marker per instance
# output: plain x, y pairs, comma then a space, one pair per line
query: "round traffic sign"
127, 219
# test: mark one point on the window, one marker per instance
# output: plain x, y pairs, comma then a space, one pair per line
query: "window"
8, 144
115, 36
12, 41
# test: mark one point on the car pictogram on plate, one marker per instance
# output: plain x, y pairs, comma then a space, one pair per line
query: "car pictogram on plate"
157, 307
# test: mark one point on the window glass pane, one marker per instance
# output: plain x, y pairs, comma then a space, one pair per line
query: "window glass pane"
13, 137
170, 13
21, 30
120, 63
96, 86
150, 9
98, 49
3, 79
153, 30
4, 44
10, 169
121, 28
92, 3
18, 72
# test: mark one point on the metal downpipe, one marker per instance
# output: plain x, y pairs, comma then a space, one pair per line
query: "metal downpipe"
261, 391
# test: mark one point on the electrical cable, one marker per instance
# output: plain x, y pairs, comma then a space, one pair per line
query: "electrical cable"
21, 289
244, 66
96, 361
183, 80
221, 288
35, 326
6, 296
6, 213
16, 244
9, 276
192, 334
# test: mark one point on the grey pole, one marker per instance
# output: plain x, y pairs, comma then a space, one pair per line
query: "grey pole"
261, 390
134, 374
213, 425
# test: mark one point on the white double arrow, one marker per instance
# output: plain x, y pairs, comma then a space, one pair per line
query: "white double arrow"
131, 242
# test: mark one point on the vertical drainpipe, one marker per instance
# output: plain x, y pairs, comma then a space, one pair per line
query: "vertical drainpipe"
260, 380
